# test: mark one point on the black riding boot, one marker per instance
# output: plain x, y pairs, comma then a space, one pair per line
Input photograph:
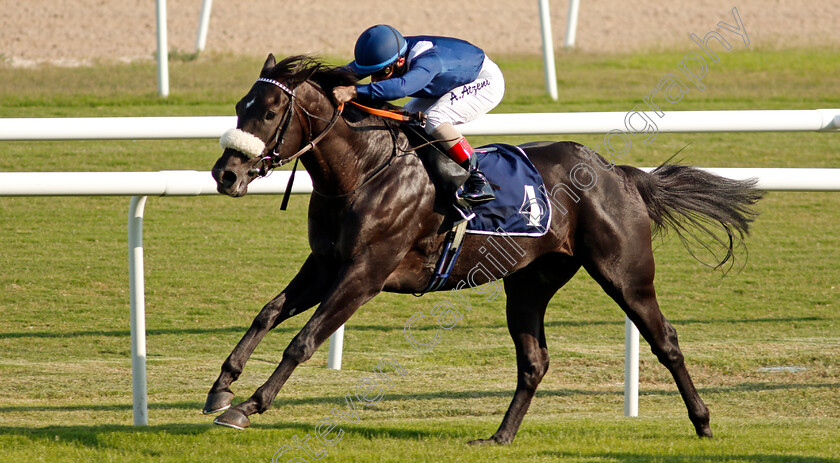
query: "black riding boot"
476, 189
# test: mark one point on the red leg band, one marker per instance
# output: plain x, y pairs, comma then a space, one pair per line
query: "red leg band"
461, 151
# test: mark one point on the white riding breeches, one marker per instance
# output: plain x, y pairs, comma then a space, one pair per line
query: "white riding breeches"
465, 103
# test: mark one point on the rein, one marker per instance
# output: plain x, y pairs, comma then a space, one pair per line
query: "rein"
405, 117
395, 114
267, 162
370, 177
270, 161
309, 146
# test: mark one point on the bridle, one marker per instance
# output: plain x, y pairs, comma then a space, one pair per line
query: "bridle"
270, 160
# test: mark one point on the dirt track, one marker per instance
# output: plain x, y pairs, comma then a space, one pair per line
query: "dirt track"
71, 32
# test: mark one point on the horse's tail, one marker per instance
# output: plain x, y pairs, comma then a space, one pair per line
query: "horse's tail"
684, 198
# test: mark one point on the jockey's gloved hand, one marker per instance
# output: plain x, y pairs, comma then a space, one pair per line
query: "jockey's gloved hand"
344, 94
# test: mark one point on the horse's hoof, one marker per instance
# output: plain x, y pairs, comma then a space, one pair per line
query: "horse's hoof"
217, 402
490, 441
233, 418
704, 431
481, 442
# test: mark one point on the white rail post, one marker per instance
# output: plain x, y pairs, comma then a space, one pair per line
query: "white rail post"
571, 23
137, 300
631, 368
162, 50
548, 50
336, 347
203, 25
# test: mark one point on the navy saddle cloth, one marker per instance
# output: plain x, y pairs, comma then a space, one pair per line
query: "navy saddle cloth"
521, 207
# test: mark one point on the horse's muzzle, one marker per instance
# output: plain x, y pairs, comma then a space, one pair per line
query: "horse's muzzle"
228, 183
232, 173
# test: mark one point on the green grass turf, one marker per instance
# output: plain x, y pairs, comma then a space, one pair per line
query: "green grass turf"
212, 262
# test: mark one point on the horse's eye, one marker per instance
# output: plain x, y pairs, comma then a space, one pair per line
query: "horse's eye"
270, 115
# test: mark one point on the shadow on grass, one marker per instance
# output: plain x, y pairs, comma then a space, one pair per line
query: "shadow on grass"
644, 458
678, 322
508, 394
125, 439
99, 436
446, 395
387, 328
379, 432
89, 435
197, 406
126, 333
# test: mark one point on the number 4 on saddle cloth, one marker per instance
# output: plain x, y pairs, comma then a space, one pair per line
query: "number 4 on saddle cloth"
521, 207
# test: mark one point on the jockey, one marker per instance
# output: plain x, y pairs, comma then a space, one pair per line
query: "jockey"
450, 80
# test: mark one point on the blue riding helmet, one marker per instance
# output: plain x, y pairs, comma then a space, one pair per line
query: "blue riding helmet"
377, 48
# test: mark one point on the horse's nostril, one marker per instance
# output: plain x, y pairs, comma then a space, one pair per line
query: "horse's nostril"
228, 178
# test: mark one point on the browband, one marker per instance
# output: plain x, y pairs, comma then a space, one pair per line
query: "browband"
279, 84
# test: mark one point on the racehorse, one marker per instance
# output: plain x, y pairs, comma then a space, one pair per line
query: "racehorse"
374, 226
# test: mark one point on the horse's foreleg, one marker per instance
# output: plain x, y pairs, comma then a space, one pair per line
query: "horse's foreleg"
304, 291
354, 286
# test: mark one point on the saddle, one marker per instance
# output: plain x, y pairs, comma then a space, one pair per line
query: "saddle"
521, 207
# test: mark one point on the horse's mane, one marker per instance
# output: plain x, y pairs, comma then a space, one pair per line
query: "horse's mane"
296, 69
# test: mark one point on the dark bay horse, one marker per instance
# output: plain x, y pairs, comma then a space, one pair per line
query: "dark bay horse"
374, 226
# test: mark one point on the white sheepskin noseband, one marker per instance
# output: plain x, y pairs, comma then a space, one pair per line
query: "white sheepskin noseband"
243, 142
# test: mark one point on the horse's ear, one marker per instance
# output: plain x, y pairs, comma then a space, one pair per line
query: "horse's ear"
270, 62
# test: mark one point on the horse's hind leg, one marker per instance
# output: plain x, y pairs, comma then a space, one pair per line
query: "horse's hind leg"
621, 261
304, 291
528, 293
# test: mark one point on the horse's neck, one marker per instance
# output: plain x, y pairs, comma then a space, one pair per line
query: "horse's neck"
349, 155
